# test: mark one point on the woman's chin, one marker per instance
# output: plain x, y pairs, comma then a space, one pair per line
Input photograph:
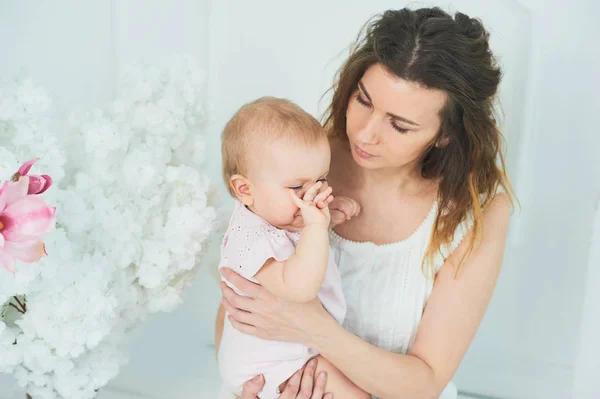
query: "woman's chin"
364, 162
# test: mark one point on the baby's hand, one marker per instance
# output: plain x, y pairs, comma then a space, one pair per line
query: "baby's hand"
343, 209
311, 213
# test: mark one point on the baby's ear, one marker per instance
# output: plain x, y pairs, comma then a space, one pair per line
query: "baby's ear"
242, 189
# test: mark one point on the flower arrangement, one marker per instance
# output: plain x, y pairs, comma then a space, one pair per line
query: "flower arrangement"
134, 211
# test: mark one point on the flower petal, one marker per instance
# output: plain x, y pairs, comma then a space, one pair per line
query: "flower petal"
1, 241
36, 184
47, 185
30, 216
7, 262
24, 169
14, 191
26, 249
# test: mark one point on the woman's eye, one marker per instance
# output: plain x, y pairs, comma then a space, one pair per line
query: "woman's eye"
362, 100
399, 129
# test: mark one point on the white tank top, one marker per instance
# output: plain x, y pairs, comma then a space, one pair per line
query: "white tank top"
385, 287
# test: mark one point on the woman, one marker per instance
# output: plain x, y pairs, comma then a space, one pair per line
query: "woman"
415, 142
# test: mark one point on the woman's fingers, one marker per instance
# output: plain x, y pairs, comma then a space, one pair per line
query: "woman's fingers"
319, 389
245, 328
234, 300
240, 315
252, 289
292, 386
307, 382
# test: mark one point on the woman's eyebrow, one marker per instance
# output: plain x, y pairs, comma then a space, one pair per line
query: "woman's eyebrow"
400, 118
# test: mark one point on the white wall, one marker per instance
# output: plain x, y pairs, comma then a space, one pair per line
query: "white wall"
537, 338
65, 48
587, 366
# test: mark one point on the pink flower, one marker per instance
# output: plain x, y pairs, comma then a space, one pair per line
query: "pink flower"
23, 218
37, 183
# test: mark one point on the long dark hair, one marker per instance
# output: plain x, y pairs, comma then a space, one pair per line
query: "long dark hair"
430, 47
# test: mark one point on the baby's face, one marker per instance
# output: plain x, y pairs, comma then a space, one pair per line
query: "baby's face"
279, 167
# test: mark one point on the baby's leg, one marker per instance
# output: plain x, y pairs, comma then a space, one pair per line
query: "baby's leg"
338, 383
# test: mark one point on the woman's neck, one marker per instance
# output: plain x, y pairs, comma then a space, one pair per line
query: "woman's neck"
406, 180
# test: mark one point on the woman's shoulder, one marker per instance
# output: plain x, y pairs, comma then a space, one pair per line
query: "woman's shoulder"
498, 209
495, 214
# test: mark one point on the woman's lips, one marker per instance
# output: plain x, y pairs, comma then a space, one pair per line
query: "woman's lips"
361, 153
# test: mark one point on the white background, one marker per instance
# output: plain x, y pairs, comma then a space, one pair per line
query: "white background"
538, 339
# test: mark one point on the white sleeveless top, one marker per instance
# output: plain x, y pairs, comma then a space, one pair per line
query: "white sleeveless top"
385, 287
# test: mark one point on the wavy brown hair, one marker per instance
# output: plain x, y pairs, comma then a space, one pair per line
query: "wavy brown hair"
430, 47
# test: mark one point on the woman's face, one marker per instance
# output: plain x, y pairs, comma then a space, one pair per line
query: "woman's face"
390, 121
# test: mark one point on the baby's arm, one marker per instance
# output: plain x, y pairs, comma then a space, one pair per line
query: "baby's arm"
300, 276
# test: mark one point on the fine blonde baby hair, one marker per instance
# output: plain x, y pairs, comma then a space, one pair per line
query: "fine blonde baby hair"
261, 121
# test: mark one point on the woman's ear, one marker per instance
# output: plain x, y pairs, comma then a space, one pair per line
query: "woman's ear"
242, 189
442, 141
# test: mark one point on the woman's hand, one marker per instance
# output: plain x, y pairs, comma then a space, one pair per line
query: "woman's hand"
301, 385
267, 316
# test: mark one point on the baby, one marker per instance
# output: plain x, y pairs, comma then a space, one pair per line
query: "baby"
275, 164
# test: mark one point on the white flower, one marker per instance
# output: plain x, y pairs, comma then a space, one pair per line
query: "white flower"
134, 213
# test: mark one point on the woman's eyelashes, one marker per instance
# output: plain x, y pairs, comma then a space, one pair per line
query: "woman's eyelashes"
361, 100
367, 104
398, 128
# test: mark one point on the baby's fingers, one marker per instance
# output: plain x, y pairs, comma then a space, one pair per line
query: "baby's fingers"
325, 203
312, 192
297, 201
324, 198
356, 208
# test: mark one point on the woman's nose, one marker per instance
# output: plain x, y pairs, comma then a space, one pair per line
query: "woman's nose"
368, 133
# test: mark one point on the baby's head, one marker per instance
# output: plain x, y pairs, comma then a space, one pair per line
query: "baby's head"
269, 147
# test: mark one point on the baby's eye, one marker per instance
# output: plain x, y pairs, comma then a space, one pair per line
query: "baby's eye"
323, 180
296, 188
